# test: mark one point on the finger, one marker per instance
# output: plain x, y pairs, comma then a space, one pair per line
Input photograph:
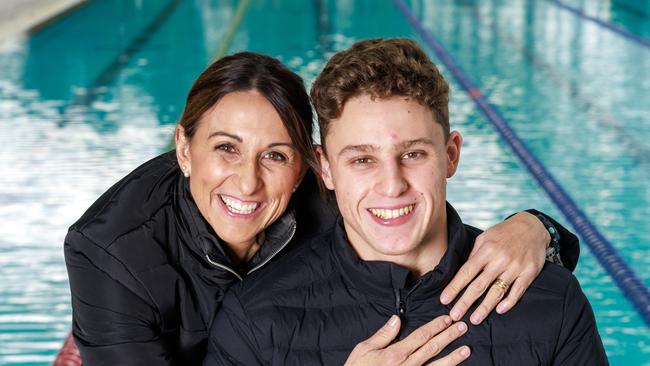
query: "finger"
459, 355
473, 292
494, 295
384, 335
422, 335
436, 344
517, 289
467, 272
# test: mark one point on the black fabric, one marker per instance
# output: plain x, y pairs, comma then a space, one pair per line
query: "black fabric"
312, 306
143, 291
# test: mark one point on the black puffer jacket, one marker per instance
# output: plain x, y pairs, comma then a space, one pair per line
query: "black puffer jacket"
312, 306
143, 289
147, 273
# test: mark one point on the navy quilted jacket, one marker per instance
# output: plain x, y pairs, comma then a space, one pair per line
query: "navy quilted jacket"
312, 306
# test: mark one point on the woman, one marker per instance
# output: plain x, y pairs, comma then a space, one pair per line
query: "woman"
150, 260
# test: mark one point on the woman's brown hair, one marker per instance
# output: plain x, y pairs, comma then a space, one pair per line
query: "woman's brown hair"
252, 71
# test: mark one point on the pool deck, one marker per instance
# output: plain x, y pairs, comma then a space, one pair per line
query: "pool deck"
23, 16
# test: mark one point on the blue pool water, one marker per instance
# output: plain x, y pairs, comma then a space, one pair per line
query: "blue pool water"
90, 97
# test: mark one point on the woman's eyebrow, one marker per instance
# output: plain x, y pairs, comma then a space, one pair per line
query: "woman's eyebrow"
221, 133
288, 144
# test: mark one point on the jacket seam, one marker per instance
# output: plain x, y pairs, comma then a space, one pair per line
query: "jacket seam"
126, 268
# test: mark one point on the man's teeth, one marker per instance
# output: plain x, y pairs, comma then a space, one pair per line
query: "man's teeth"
391, 214
237, 207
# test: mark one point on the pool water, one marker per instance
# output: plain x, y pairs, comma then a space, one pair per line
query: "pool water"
90, 97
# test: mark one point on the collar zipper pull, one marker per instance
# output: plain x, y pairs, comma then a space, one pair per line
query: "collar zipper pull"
400, 305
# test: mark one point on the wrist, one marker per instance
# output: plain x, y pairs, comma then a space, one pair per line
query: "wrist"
553, 248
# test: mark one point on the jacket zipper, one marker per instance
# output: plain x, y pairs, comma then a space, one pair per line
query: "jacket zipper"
400, 303
293, 232
207, 256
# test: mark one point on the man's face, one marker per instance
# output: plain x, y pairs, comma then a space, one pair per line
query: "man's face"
388, 162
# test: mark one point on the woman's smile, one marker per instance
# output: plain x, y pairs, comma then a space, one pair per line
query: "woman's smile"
239, 208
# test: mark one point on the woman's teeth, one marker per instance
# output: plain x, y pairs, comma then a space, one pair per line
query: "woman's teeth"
391, 214
237, 207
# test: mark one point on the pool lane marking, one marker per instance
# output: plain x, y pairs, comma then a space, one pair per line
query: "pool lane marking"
618, 30
106, 76
635, 146
232, 30
624, 276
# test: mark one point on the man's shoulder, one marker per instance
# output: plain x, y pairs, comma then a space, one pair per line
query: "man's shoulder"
554, 280
544, 303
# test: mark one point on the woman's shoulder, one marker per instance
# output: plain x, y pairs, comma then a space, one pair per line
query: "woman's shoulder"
132, 201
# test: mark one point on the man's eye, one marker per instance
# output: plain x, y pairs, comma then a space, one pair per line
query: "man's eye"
361, 161
276, 156
229, 148
413, 155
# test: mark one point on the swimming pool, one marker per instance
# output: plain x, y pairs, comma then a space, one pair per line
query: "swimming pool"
90, 97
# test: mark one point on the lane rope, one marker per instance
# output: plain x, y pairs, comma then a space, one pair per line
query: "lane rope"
618, 30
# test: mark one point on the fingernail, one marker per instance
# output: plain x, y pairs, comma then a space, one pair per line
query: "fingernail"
393, 321
464, 351
502, 308
476, 317
445, 298
462, 326
455, 314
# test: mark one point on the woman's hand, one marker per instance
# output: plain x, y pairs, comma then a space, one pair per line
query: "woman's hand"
416, 349
512, 251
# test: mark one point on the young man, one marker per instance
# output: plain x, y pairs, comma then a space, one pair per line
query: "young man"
387, 152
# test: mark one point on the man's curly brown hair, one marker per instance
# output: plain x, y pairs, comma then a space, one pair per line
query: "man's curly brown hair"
380, 68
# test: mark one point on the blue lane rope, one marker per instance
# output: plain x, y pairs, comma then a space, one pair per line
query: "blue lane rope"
628, 281
620, 31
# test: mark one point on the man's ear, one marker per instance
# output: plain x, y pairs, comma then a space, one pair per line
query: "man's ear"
453, 152
325, 171
183, 149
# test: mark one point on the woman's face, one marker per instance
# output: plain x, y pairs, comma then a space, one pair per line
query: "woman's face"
243, 168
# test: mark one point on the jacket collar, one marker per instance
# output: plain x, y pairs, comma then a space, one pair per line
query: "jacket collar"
202, 240
382, 279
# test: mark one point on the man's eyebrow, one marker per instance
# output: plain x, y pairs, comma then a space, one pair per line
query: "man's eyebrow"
410, 143
358, 148
221, 133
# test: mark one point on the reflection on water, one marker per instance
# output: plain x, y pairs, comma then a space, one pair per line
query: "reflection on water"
87, 100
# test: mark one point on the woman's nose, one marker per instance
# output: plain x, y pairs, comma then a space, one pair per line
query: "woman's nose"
249, 178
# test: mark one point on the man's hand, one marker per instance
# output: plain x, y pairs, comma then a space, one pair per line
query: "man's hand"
512, 251
416, 349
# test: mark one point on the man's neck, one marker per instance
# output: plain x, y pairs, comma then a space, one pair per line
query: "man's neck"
421, 260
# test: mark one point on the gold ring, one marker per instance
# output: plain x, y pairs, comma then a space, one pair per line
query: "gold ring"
501, 284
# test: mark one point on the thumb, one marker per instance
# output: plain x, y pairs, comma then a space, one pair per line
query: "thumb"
385, 335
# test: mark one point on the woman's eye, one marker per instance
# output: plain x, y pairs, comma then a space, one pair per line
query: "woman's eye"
276, 156
229, 148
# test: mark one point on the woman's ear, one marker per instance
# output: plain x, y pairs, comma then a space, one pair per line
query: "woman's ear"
453, 152
183, 150
325, 171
